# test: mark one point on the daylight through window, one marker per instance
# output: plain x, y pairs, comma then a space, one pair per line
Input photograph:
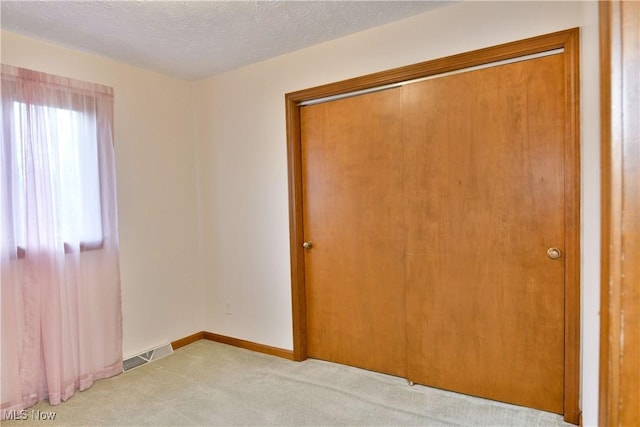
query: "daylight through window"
69, 139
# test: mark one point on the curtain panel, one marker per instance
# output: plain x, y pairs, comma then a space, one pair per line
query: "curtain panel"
61, 300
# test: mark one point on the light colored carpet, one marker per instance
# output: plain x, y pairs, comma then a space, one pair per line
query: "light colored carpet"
209, 384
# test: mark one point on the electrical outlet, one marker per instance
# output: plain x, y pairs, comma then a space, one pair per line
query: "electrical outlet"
228, 307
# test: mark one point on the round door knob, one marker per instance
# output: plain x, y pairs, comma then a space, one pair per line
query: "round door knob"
554, 253
307, 245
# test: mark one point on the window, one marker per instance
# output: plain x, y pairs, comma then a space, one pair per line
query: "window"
71, 144
51, 166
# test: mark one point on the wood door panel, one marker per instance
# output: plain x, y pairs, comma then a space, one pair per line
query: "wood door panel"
354, 274
472, 350
352, 168
484, 171
353, 296
431, 208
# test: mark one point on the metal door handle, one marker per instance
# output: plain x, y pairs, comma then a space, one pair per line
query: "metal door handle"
307, 245
554, 253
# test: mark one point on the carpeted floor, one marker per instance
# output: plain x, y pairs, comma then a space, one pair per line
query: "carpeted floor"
212, 384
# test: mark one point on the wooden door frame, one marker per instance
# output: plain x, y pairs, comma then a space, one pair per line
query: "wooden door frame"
567, 40
620, 279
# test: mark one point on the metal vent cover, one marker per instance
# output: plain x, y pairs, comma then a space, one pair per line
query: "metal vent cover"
146, 357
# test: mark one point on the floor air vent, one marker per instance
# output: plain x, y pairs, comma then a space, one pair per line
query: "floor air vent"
146, 357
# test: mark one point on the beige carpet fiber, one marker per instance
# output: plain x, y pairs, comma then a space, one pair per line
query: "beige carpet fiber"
212, 384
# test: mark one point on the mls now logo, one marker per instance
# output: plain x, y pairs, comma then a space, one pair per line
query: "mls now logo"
14, 414
43, 415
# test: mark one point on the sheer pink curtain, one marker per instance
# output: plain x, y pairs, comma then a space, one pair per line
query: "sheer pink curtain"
61, 305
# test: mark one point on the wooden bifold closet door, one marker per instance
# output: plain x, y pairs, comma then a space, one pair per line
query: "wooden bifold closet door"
434, 216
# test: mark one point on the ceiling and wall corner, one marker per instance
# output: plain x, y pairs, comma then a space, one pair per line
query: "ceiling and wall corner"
197, 39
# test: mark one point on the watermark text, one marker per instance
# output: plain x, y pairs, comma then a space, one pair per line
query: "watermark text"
24, 414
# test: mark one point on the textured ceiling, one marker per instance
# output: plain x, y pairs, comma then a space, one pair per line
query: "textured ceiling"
197, 39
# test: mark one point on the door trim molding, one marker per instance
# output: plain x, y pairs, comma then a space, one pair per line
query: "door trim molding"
620, 164
567, 40
430, 77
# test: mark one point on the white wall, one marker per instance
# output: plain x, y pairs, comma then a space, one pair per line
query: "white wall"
156, 188
241, 150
